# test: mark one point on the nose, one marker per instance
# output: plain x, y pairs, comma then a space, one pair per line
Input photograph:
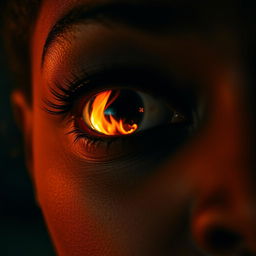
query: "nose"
224, 217
219, 233
224, 230
223, 239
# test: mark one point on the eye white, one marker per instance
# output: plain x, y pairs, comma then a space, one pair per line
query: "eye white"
156, 112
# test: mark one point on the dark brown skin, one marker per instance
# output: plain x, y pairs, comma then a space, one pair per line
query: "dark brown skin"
146, 196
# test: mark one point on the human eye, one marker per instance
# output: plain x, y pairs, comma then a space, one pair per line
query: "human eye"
120, 112
120, 109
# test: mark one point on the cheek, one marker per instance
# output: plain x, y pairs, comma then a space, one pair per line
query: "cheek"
67, 211
62, 194
94, 214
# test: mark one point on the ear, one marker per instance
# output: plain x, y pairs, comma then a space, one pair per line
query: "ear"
23, 115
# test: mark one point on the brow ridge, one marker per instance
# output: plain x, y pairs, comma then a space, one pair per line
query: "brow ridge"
156, 18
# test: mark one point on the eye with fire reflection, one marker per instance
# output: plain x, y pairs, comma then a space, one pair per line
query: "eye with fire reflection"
122, 112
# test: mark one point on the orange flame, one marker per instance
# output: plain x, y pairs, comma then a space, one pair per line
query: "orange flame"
100, 123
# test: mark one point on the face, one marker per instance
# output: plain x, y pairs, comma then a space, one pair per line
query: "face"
141, 128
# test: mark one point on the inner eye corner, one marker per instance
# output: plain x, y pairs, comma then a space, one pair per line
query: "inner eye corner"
178, 117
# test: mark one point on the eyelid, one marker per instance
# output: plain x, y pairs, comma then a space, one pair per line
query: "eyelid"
69, 95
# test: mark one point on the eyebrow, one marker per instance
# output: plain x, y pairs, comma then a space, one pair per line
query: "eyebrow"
153, 18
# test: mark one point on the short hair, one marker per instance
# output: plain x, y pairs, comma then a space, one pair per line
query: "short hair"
18, 19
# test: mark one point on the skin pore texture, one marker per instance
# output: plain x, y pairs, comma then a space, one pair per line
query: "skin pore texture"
185, 188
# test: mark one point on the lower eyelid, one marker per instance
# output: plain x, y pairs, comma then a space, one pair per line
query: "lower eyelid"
91, 149
88, 146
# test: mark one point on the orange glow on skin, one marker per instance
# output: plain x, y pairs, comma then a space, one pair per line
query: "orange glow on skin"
99, 121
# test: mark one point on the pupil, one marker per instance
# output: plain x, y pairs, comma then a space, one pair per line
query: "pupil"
128, 106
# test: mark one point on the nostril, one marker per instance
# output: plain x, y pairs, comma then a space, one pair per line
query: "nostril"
221, 239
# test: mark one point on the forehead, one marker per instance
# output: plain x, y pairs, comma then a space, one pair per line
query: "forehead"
219, 8
236, 15
230, 22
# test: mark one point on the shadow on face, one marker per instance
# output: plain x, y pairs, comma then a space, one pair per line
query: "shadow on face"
141, 130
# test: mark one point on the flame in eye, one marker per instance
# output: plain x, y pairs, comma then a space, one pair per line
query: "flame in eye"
107, 123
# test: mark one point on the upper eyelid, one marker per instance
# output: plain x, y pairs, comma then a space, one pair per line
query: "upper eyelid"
146, 79
88, 81
118, 74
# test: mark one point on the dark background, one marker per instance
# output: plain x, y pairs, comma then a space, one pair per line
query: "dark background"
22, 230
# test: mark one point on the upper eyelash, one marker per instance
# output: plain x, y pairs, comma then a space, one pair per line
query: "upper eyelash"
65, 95
146, 78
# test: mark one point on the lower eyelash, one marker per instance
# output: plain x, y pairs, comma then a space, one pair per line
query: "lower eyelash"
78, 134
90, 140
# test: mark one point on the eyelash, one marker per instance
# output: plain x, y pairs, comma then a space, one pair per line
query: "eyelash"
66, 94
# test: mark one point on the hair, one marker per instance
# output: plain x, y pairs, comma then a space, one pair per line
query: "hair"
18, 19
